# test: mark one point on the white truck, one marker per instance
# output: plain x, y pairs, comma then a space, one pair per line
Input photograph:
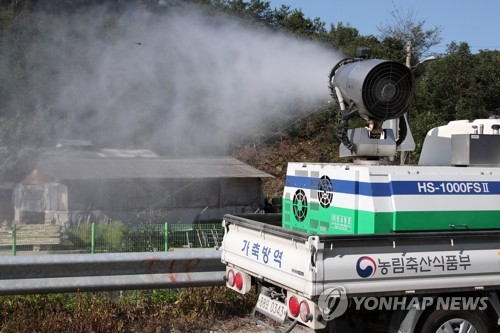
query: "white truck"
374, 246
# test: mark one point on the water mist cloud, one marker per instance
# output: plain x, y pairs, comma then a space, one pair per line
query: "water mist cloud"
181, 82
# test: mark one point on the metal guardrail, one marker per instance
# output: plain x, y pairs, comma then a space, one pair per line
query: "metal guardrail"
110, 271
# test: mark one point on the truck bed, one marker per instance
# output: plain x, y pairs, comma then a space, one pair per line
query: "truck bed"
388, 264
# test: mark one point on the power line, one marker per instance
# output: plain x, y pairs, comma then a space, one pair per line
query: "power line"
286, 127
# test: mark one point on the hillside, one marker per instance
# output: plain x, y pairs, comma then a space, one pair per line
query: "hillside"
311, 140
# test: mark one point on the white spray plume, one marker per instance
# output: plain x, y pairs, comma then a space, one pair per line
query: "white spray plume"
182, 82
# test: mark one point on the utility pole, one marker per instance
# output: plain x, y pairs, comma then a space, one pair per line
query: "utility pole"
408, 53
404, 154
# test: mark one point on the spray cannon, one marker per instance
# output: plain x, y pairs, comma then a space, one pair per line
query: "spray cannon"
380, 92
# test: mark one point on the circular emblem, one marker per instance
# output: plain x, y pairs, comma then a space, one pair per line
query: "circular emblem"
366, 267
333, 302
325, 192
300, 205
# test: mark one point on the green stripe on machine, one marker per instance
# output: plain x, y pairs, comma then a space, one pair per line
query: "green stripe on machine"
337, 220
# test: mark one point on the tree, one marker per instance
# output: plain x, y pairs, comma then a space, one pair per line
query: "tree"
407, 27
294, 22
253, 10
459, 85
485, 83
342, 37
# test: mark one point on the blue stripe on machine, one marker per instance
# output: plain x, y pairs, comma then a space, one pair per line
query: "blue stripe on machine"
341, 186
399, 187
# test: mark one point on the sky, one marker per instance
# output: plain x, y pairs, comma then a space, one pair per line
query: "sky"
474, 22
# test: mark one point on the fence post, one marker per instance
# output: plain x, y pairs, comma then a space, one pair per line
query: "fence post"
92, 238
14, 240
166, 236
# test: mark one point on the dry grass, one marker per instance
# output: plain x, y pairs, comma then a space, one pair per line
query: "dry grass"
187, 310
311, 140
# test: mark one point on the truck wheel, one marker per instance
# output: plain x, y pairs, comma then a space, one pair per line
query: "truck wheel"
459, 321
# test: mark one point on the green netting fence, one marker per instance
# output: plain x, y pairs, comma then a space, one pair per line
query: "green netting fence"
108, 237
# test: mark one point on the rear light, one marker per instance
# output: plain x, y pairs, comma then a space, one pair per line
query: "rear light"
305, 312
238, 281
293, 306
230, 278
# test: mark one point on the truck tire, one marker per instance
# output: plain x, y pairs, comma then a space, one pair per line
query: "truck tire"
456, 321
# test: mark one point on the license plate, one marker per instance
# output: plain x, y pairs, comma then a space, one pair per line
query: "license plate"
271, 308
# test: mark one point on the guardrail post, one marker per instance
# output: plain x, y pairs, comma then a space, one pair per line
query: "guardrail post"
14, 240
166, 236
92, 238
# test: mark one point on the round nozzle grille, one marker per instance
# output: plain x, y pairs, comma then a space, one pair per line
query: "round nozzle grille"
387, 90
